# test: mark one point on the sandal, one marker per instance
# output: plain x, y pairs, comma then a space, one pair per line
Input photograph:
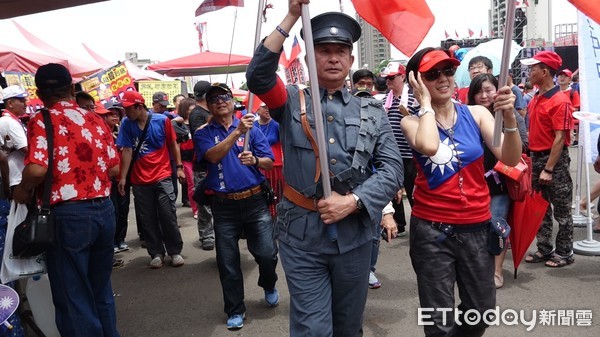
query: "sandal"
558, 261
538, 257
498, 281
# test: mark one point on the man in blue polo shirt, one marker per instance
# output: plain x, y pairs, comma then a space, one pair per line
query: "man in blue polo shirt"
238, 202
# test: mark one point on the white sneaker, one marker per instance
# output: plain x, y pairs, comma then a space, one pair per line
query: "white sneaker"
157, 261
373, 281
177, 260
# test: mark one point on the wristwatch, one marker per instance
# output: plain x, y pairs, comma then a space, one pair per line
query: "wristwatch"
423, 111
179, 166
359, 203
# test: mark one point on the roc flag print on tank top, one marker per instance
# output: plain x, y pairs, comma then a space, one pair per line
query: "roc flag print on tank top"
450, 186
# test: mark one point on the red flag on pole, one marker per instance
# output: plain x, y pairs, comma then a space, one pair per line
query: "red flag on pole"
295, 50
526, 3
481, 33
201, 27
446, 33
213, 5
590, 8
471, 33
456, 33
405, 23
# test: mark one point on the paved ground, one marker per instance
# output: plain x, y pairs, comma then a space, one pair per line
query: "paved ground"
187, 301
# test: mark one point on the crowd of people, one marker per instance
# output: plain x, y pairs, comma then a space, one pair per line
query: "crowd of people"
405, 135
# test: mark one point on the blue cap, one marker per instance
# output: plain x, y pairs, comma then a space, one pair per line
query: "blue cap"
334, 27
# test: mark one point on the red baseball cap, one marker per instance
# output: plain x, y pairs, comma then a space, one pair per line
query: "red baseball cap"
393, 68
549, 58
567, 72
100, 109
131, 98
434, 58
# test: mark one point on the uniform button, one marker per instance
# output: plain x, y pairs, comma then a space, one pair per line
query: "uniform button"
331, 141
333, 162
330, 118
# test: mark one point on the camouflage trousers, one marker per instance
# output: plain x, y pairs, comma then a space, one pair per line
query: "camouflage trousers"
560, 195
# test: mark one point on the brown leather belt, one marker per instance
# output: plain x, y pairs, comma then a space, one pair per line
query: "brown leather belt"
299, 199
240, 195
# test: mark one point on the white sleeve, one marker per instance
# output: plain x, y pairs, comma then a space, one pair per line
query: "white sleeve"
388, 209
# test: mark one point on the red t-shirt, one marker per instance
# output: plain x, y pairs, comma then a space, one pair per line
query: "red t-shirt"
84, 151
548, 113
463, 95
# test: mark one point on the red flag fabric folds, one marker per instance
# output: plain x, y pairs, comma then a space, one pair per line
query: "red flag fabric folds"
590, 8
446, 33
405, 23
213, 5
295, 50
471, 33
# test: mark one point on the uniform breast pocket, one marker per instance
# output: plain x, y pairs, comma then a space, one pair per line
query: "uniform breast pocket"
297, 134
352, 130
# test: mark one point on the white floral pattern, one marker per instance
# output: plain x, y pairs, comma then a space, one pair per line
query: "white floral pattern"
62, 130
41, 143
63, 165
68, 191
97, 184
63, 150
85, 133
75, 116
84, 151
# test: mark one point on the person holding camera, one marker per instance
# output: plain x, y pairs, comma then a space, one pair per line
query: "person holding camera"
239, 202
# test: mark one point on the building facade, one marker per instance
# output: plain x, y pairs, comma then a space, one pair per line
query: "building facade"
373, 47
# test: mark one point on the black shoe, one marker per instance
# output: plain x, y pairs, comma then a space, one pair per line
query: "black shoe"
118, 263
185, 204
208, 245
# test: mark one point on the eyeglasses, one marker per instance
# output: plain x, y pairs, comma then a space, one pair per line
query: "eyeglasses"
433, 75
216, 98
477, 67
391, 78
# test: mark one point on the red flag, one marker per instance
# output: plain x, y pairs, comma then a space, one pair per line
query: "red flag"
590, 8
481, 33
295, 50
213, 5
544, 43
405, 23
201, 27
283, 59
456, 33
526, 3
446, 33
471, 33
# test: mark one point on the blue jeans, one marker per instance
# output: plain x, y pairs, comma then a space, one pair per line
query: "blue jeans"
79, 268
253, 217
500, 206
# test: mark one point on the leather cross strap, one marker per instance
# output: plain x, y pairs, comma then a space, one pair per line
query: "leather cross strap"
308, 133
299, 199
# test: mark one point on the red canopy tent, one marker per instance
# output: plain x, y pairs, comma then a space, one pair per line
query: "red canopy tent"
12, 8
205, 63
13, 59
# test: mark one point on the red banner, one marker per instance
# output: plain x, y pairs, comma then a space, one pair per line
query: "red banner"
213, 5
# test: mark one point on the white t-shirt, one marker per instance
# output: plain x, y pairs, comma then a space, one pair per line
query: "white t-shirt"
13, 138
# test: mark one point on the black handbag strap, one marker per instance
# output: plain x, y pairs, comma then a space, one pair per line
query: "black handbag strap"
136, 152
48, 178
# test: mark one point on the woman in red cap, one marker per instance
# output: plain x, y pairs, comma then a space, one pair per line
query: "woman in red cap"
450, 221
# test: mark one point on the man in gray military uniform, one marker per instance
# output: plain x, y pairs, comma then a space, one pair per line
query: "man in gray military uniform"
327, 280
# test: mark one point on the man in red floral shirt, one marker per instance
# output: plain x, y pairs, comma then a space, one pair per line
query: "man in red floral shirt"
80, 261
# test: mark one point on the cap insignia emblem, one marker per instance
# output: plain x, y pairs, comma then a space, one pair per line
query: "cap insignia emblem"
333, 31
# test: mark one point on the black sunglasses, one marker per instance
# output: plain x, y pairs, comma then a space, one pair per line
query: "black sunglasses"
215, 98
433, 75
391, 78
